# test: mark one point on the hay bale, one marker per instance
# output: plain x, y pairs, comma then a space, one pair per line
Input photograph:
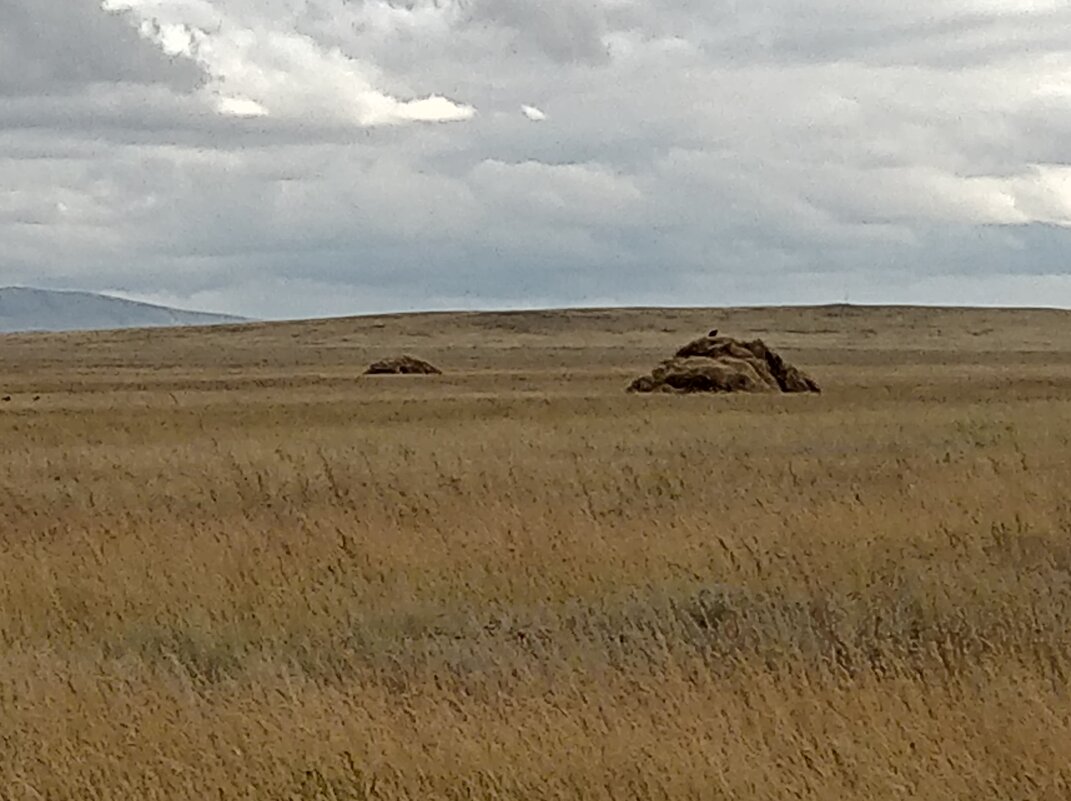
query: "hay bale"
402, 365
722, 364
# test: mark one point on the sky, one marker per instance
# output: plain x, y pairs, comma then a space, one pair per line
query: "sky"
298, 158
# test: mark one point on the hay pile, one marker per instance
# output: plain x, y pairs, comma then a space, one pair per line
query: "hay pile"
402, 365
723, 364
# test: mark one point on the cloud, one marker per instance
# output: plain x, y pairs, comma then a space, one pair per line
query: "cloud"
285, 157
62, 46
563, 30
240, 107
285, 74
533, 113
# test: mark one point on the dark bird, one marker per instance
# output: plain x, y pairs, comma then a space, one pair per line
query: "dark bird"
713, 332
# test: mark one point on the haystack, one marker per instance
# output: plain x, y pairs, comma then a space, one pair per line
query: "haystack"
402, 365
723, 364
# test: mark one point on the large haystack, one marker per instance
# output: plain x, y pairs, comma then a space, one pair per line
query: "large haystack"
723, 364
402, 365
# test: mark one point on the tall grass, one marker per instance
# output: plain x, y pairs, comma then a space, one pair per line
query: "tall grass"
225, 595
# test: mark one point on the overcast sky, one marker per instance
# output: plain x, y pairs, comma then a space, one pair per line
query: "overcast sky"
289, 158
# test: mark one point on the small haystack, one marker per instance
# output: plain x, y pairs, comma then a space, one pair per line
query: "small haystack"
723, 364
402, 365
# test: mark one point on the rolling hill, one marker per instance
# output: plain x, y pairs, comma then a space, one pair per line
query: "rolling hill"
25, 309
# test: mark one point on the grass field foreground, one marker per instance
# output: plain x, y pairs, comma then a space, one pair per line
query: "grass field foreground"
233, 568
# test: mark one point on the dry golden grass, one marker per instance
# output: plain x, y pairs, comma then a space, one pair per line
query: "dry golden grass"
233, 568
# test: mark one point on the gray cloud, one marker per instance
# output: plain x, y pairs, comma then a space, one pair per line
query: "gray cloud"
564, 30
55, 47
693, 152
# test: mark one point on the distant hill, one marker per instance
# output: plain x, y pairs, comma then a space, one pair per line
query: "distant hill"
23, 309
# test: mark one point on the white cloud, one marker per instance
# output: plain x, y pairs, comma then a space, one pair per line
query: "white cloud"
533, 113
428, 109
240, 107
276, 69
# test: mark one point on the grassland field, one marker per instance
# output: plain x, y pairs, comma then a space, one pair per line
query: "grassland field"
232, 567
